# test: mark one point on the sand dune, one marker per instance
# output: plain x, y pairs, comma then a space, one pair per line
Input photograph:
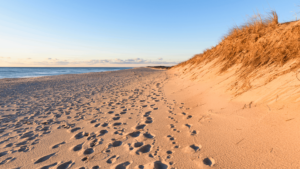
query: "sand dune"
244, 96
258, 129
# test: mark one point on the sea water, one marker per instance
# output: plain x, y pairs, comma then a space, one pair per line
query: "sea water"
24, 72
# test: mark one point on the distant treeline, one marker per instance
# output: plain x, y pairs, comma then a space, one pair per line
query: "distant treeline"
160, 67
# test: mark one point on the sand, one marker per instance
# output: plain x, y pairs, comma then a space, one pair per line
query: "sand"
141, 119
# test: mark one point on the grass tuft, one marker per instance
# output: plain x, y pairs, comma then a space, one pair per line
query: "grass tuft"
261, 42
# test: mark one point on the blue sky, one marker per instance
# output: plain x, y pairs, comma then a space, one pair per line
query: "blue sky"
121, 33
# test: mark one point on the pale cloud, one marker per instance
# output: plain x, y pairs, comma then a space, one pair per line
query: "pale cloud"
6, 58
131, 61
91, 62
53, 62
96, 62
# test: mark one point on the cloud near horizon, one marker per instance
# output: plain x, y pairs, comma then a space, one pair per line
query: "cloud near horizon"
1, 57
130, 61
95, 62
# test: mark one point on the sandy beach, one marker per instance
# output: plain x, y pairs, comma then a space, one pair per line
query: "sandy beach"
149, 84
141, 119
107, 120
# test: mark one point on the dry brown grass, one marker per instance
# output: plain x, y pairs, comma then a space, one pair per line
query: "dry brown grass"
258, 44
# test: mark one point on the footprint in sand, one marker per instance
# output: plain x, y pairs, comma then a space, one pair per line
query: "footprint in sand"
3, 153
93, 121
194, 132
155, 165
75, 129
97, 125
77, 147
104, 125
112, 159
139, 127
8, 145
42, 159
94, 142
169, 152
57, 145
84, 158
23, 149
81, 135
49, 166
35, 142
119, 132
172, 138
160, 165
102, 132
148, 135
116, 118
188, 125
144, 149
28, 134
147, 114
7, 160
65, 165
134, 134
123, 165
96, 167
116, 143
110, 112
149, 120
88, 151
209, 161
138, 144
117, 124
193, 148
91, 136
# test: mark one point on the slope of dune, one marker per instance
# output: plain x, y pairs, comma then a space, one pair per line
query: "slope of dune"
251, 57
244, 96
237, 132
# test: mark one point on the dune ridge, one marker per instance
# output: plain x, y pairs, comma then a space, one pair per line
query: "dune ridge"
254, 54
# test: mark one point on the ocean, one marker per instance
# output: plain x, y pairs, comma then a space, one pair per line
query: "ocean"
24, 72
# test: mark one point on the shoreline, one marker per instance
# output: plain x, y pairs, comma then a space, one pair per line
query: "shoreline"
126, 68
46, 73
